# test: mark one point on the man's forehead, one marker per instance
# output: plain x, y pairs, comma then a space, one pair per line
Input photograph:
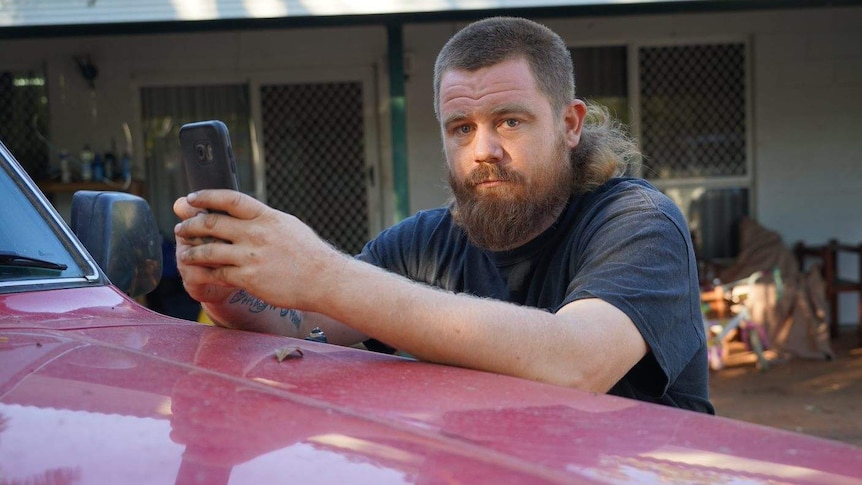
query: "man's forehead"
508, 79
516, 67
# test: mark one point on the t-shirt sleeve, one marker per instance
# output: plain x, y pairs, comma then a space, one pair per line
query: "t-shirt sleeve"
390, 249
412, 248
638, 257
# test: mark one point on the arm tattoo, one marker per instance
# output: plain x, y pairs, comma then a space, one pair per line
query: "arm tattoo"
256, 305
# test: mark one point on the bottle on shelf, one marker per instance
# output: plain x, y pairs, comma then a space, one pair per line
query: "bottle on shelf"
65, 169
110, 165
98, 168
87, 164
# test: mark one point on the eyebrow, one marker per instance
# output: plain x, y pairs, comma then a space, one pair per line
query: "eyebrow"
454, 118
512, 108
504, 109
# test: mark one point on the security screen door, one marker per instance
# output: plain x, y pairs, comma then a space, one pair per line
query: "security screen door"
315, 157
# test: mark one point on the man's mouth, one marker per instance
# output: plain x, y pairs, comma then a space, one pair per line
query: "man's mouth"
489, 176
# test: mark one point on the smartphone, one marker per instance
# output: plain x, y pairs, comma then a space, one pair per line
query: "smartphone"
207, 156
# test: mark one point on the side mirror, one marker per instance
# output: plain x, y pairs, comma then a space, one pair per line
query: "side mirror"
120, 232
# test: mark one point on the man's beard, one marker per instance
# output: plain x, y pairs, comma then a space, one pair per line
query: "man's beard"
499, 220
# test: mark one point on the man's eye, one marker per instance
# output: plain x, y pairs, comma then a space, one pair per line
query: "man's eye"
511, 123
463, 130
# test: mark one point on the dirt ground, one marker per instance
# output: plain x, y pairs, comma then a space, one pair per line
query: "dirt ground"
819, 398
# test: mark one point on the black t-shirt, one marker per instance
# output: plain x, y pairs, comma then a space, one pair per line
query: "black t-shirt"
625, 243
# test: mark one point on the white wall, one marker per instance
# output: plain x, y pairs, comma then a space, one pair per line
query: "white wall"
809, 97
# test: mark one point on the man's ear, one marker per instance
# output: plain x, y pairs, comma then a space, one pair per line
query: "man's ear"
573, 117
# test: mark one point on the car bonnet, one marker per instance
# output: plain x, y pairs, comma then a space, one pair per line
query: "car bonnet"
159, 400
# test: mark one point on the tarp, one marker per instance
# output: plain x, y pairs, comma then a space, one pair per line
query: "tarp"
789, 303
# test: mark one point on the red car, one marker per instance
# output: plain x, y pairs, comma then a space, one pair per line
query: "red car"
95, 388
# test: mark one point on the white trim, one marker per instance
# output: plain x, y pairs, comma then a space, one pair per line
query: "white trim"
256, 132
711, 182
751, 167
22, 13
633, 71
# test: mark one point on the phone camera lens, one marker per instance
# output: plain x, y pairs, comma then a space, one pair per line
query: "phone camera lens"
201, 152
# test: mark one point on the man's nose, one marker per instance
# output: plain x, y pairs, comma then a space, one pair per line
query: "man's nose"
486, 146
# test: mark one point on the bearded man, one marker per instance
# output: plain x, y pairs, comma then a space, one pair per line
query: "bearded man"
548, 264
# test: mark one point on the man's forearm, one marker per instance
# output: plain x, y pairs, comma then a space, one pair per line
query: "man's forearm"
435, 325
242, 310
591, 346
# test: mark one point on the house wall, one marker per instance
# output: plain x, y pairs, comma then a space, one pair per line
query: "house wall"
806, 94
81, 115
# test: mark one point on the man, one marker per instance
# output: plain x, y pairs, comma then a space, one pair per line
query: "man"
547, 265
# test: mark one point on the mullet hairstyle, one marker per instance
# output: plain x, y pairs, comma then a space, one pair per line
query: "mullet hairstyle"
605, 149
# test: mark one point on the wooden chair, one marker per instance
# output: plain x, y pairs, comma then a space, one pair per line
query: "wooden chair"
827, 255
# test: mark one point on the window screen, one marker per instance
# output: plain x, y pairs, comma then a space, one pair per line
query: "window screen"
314, 147
692, 105
24, 120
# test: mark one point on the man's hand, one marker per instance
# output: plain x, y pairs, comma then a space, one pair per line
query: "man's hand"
270, 254
194, 277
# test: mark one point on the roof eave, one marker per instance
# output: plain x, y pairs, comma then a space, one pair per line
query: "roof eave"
400, 18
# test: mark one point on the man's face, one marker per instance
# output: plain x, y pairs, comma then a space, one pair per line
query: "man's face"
507, 153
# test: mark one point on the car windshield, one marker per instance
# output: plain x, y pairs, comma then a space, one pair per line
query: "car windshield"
31, 250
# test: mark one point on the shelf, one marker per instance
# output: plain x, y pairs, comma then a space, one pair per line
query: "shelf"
55, 187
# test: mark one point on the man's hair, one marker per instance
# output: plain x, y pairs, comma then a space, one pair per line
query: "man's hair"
494, 40
604, 151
